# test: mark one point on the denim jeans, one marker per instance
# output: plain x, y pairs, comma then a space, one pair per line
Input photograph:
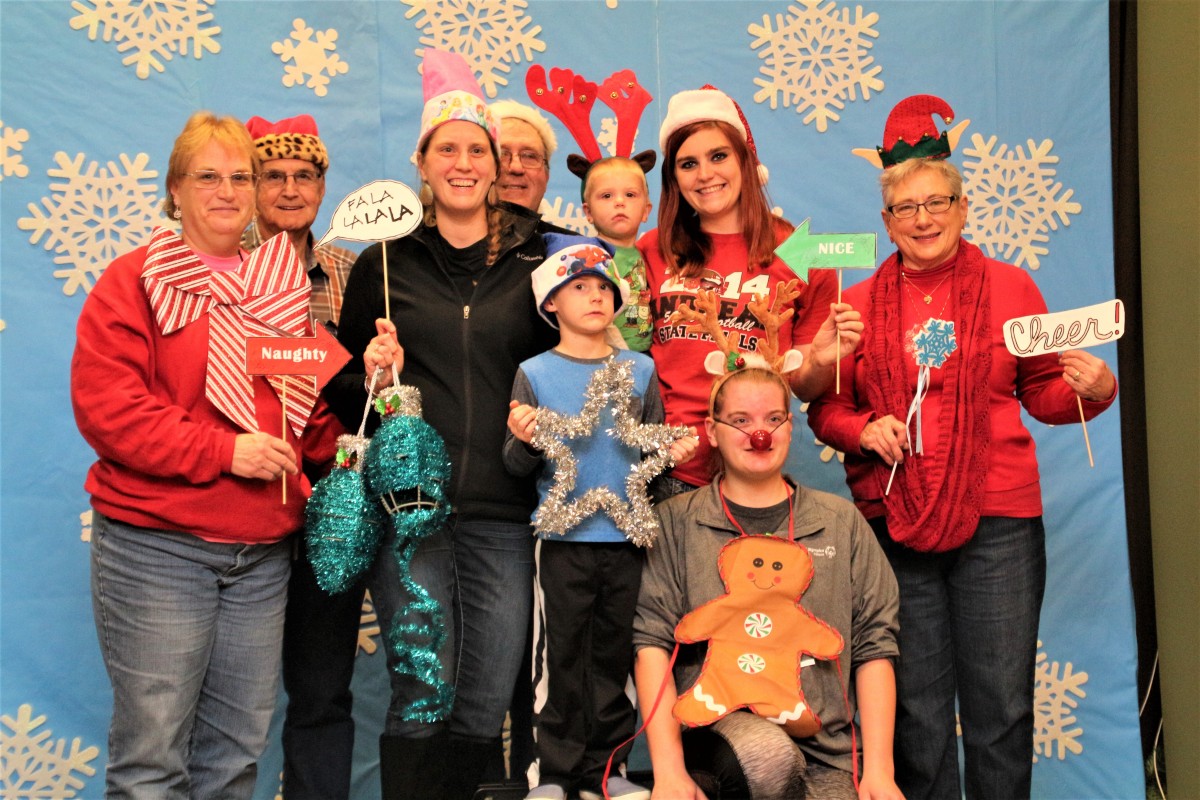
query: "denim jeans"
481, 574
968, 628
190, 633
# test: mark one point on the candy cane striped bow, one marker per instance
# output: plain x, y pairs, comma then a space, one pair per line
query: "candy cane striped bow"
267, 296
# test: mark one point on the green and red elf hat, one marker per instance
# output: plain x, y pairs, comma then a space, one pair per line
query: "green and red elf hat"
911, 133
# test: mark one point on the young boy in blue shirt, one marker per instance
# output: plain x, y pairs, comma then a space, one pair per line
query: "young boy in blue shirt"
587, 580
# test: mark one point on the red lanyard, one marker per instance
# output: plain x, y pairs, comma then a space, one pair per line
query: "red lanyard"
791, 511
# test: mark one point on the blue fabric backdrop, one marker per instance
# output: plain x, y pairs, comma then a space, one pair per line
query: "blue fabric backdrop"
93, 94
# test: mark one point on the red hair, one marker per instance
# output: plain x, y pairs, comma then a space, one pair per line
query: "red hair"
681, 242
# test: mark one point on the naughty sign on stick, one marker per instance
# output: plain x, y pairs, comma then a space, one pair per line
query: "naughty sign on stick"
319, 356
376, 212
1039, 334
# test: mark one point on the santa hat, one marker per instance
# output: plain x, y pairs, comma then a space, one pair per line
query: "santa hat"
701, 105
572, 257
511, 109
452, 93
294, 137
910, 132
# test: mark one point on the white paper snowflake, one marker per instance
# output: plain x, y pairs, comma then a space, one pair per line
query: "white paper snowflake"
571, 217
816, 58
94, 216
1054, 704
490, 34
1014, 199
12, 140
314, 59
828, 453
34, 766
152, 29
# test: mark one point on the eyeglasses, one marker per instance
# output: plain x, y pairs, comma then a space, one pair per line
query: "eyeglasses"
528, 158
934, 205
207, 179
277, 179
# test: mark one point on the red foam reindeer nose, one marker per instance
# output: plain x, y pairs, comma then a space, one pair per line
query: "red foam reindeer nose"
760, 440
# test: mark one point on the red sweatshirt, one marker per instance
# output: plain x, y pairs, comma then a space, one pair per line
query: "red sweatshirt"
165, 451
1013, 488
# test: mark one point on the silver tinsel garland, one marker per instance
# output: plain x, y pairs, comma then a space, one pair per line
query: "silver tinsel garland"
612, 385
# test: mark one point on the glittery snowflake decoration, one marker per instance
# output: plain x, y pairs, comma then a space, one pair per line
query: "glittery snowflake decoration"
33, 765
12, 140
314, 61
567, 215
490, 34
152, 29
1014, 199
94, 216
1055, 692
610, 386
815, 58
934, 343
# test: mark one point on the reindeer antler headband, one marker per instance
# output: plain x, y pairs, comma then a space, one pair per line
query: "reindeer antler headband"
570, 97
728, 360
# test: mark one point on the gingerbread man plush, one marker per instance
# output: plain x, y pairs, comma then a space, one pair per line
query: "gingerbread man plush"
757, 633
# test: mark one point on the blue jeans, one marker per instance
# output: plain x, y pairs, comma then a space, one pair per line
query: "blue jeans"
481, 574
190, 633
968, 628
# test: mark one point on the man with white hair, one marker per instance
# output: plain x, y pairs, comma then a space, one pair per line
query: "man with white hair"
526, 144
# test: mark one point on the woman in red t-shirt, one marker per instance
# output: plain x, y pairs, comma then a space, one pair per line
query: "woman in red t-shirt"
716, 231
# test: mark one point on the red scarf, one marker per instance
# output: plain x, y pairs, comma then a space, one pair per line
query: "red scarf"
935, 499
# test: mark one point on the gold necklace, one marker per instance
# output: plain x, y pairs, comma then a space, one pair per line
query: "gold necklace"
928, 296
917, 309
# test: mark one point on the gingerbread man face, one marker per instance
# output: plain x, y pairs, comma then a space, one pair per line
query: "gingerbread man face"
757, 633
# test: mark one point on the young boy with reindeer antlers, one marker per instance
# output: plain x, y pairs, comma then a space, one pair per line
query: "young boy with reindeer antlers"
616, 197
775, 595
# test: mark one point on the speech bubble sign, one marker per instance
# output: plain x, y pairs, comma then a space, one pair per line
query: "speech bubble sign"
1038, 334
376, 212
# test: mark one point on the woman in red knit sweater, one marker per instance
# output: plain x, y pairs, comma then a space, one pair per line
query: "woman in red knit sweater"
954, 497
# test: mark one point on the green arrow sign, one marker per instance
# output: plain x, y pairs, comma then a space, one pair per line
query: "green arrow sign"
803, 251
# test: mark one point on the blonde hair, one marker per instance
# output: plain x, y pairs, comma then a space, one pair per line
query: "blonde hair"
202, 128
716, 464
892, 177
613, 164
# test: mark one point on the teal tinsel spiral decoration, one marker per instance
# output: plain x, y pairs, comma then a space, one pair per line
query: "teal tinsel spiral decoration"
407, 470
343, 526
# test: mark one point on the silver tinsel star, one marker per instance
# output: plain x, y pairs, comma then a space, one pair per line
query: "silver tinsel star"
612, 385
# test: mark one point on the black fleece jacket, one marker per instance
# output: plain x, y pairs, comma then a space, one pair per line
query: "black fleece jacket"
461, 352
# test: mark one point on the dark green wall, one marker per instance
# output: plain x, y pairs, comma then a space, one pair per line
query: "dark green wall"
1169, 155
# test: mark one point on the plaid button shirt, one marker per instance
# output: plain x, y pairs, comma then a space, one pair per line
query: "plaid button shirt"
328, 268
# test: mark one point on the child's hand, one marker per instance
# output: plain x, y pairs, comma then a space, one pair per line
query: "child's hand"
685, 449
522, 421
